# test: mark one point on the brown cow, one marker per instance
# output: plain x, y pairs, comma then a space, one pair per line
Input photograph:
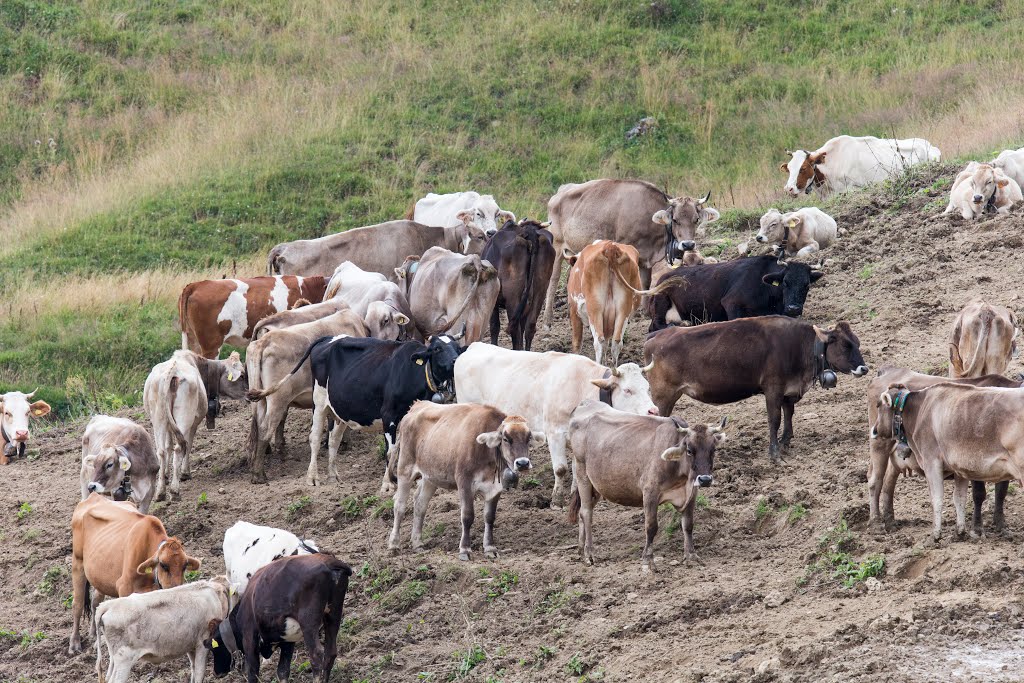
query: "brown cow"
523, 256
475, 449
119, 551
297, 316
972, 433
273, 388
449, 289
638, 461
773, 355
215, 312
375, 248
888, 461
15, 411
625, 211
120, 460
603, 291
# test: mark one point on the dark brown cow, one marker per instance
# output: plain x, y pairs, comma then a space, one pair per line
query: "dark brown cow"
638, 461
729, 361
887, 461
523, 256
286, 601
215, 312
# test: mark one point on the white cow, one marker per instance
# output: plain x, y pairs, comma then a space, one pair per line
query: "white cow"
802, 232
847, 163
247, 547
544, 388
1012, 163
457, 208
176, 399
159, 626
979, 185
14, 413
381, 304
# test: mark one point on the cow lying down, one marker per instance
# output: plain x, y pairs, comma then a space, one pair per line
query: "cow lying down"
160, 626
638, 461
474, 449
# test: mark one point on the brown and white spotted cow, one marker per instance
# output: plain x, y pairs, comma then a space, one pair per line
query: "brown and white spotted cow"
215, 312
14, 422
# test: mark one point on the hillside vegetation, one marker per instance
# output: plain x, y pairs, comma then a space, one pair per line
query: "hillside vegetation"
148, 143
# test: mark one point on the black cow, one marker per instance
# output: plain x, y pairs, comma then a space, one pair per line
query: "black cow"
743, 288
523, 255
729, 361
286, 601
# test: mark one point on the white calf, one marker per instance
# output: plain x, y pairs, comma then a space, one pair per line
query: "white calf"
247, 547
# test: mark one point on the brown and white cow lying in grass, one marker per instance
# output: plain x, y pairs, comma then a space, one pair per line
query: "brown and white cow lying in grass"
119, 460
973, 433
475, 449
638, 461
15, 411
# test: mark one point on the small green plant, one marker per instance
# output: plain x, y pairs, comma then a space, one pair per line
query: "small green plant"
50, 579
467, 661
504, 582
191, 575
405, 596
702, 502
867, 271
835, 561
202, 500
797, 511
544, 654
382, 448
763, 509
530, 483
554, 599
298, 507
24, 510
575, 666
353, 507
30, 535
385, 508
23, 638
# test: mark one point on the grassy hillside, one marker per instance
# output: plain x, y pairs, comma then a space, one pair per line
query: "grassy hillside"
144, 144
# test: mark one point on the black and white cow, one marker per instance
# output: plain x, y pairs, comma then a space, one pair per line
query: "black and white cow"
247, 547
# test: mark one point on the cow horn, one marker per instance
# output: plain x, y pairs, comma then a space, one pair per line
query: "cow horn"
706, 198
720, 426
546, 224
615, 372
461, 333
33, 393
648, 368
789, 152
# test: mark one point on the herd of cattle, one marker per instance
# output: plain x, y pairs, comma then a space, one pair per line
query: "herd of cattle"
382, 328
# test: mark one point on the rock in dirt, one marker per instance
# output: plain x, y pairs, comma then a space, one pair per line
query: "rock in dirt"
767, 665
774, 599
873, 585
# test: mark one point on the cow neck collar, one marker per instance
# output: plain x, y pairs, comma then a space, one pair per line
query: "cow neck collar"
780, 248
670, 235
430, 382
437, 388
227, 635
156, 566
126, 489
605, 395
9, 442
899, 403
821, 364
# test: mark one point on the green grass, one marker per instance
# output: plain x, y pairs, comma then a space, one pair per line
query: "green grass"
509, 98
835, 563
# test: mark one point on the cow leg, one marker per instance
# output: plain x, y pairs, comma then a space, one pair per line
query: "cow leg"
978, 495
490, 512
496, 326
556, 276
419, 511
333, 443
960, 486
466, 508
530, 331
198, 661
933, 473
788, 404
878, 461
279, 448
1002, 488
401, 500
585, 489
284, 661
161, 472
120, 669
688, 552
311, 636
250, 646
176, 464
576, 322
774, 405
557, 442
651, 527
645, 277
80, 591
316, 432
892, 477
266, 416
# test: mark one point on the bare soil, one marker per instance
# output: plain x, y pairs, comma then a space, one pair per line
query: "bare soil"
754, 611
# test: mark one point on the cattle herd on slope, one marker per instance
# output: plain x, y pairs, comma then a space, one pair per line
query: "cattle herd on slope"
382, 328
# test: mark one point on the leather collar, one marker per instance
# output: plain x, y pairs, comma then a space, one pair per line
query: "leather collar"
18, 447
821, 364
605, 395
899, 403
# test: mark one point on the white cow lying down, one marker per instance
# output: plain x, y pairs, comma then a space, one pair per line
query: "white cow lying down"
847, 163
1012, 163
450, 210
804, 231
247, 547
977, 186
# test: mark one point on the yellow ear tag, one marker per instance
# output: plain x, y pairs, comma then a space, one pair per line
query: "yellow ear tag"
213, 643
775, 284
419, 361
149, 570
792, 222
231, 376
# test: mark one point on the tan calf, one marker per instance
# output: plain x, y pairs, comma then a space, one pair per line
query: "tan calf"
475, 449
604, 290
972, 433
638, 461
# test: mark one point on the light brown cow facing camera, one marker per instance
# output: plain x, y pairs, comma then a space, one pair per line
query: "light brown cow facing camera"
475, 449
639, 461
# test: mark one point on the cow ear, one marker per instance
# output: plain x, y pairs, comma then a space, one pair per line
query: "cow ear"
402, 319
469, 269
886, 399
89, 460
507, 216
710, 215
603, 383
192, 563
662, 217
400, 273
1003, 182
537, 439
146, 567
673, 453
420, 357
489, 439
817, 158
784, 167
772, 279
125, 463
816, 275
465, 216
719, 437
39, 408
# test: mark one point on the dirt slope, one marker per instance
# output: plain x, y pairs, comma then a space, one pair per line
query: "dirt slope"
750, 613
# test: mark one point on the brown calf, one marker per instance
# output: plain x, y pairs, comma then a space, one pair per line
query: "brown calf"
119, 551
472, 448
638, 461
973, 433
215, 312
603, 291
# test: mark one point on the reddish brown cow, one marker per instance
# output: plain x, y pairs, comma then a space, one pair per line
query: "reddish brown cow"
119, 551
215, 312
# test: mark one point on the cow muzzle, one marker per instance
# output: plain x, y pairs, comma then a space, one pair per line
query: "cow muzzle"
761, 238
522, 464
95, 487
860, 371
792, 310
978, 199
705, 480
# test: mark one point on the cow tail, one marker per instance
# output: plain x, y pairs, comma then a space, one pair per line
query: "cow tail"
574, 507
533, 247
273, 260
985, 330
256, 394
171, 384
664, 285
183, 325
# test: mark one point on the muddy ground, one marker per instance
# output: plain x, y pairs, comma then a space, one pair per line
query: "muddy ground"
755, 611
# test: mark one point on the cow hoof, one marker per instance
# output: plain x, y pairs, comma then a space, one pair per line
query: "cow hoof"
693, 559
386, 490
258, 478
185, 476
334, 475
491, 553
976, 533
74, 649
648, 568
464, 557
393, 549
312, 481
